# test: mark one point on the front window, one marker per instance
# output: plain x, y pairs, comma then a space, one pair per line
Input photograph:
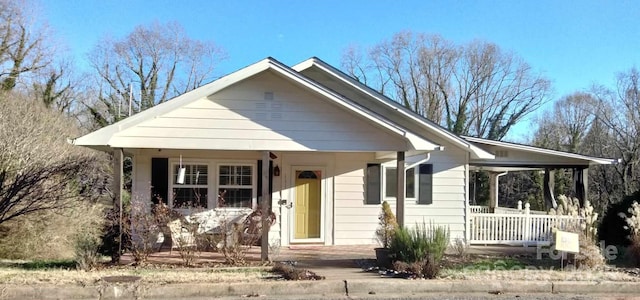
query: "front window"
235, 186
192, 191
391, 183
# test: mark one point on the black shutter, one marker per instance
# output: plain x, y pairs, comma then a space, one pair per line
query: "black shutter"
260, 180
373, 188
425, 181
159, 180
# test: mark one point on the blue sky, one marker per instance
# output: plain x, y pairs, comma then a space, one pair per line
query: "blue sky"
573, 43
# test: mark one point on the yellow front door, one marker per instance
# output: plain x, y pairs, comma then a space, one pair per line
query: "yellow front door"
307, 205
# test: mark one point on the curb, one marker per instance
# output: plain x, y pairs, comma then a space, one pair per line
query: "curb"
318, 288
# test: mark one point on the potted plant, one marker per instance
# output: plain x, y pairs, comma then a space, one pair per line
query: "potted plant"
387, 225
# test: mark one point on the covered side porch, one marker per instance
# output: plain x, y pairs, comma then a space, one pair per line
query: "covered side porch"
499, 223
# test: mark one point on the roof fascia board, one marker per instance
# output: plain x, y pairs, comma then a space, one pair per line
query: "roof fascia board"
476, 152
527, 148
103, 135
419, 143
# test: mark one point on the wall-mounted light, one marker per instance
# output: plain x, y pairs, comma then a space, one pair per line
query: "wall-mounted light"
276, 171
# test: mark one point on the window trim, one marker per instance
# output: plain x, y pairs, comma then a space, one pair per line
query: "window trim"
176, 162
254, 181
383, 184
213, 168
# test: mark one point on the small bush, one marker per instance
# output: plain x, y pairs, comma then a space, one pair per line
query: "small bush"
589, 256
387, 225
86, 250
460, 248
414, 245
426, 268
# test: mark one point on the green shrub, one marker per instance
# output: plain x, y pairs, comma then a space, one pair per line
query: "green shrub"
419, 243
387, 225
613, 229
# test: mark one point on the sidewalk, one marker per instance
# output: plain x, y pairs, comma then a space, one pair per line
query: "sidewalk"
333, 288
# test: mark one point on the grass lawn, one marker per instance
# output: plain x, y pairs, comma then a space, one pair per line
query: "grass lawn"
524, 267
64, 272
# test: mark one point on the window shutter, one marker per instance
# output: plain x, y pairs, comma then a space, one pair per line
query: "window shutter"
425, 181
373, 188
159, 180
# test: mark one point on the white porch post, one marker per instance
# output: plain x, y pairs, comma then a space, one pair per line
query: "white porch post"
118, 158
400, 188
549, 185
266, 200
493, 191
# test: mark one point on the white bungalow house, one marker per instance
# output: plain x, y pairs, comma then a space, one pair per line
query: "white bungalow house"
333, 147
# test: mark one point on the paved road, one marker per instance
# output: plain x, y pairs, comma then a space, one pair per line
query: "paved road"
447, 296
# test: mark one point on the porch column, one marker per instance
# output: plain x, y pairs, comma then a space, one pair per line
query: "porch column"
581, 184
400, 188
118, 158
548, 187
493, 191
266, 200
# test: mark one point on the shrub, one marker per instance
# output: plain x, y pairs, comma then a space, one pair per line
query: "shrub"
387, 224
86, 251
425, 268
590, 256
633, 225
460, 248
413, 245
48, 234
612, 227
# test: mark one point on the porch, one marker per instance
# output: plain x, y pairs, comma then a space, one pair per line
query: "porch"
515, 226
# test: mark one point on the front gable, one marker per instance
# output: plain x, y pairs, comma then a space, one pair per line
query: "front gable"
265, 111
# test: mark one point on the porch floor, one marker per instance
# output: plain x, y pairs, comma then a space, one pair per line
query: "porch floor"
333, 262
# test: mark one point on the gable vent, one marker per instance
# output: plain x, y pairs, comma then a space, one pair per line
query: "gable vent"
268, 95
502, 153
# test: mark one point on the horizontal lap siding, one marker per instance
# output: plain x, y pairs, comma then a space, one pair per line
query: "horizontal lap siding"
239, 117
355, 222
449, 188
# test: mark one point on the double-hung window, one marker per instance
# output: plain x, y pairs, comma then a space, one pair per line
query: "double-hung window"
382, 182
391, 183
194, 191
236, 185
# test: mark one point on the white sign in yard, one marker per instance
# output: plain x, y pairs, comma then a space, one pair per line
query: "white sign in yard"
567, 242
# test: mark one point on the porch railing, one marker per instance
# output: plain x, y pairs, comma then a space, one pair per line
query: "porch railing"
517, 229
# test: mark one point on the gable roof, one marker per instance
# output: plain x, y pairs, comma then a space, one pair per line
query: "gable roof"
393, 107
103, 138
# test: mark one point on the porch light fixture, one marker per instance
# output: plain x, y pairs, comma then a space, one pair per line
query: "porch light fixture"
276, 171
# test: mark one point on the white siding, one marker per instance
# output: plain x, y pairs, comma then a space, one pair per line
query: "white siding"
356, 222
242, 117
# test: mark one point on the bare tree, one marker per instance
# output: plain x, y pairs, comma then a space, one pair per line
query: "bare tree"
618, 111
160, 60
39, 170
474, 89
565, 127
22, 43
